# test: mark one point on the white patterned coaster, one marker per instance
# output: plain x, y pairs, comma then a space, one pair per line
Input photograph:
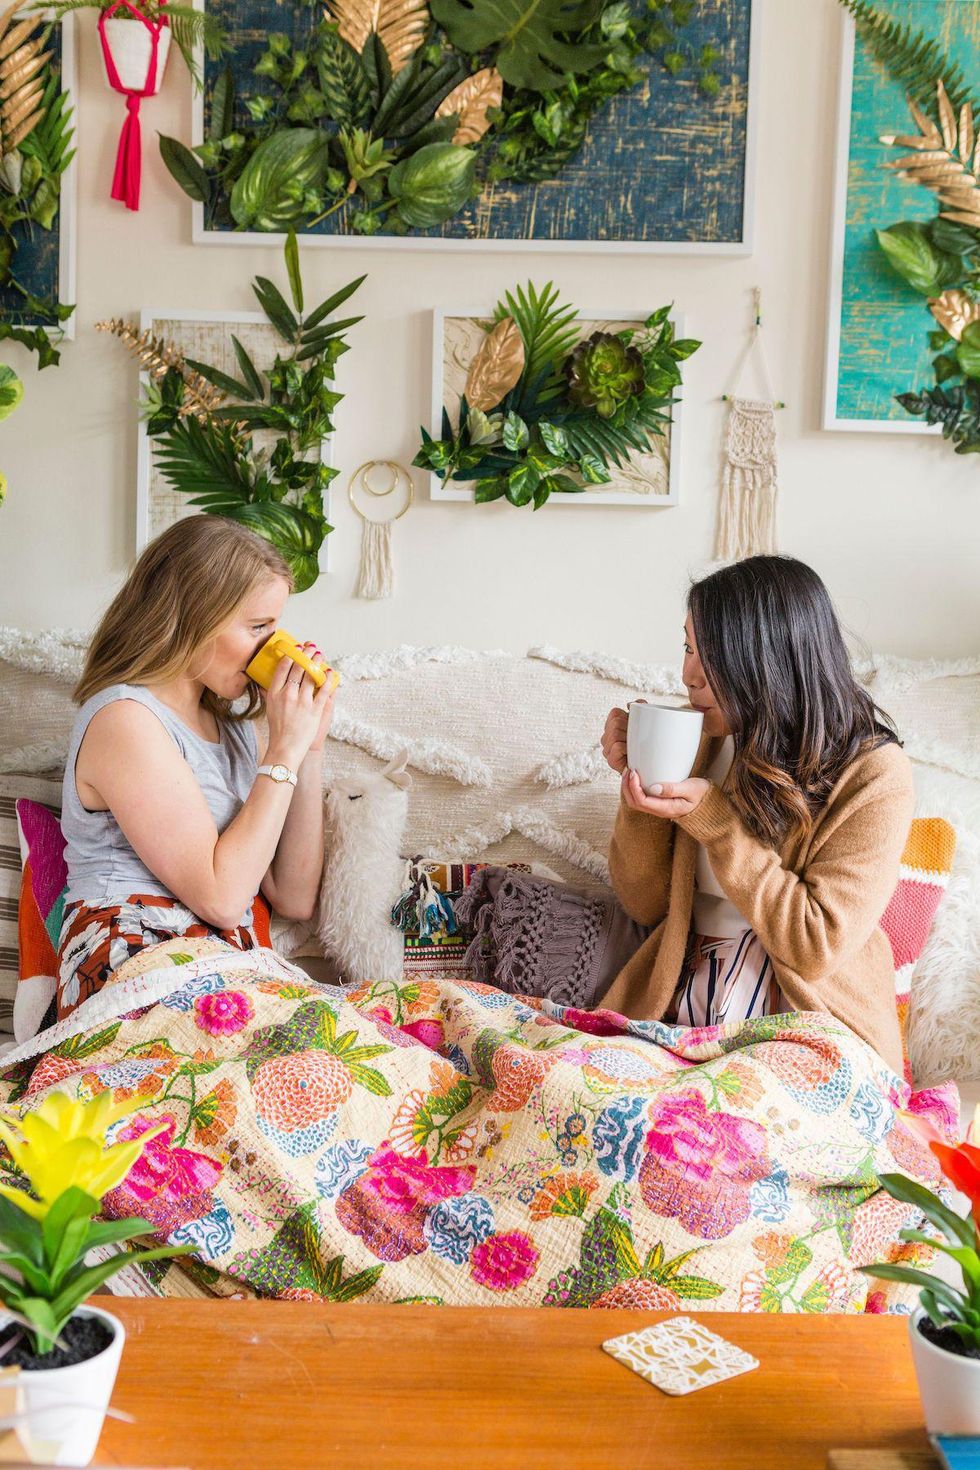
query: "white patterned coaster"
680, 1355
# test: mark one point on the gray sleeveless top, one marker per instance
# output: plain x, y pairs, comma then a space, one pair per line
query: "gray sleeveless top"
102, 867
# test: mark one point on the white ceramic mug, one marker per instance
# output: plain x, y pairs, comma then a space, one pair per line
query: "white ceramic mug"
662, 742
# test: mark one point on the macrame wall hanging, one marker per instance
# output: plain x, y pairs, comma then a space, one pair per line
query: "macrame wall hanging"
135, 54
747, 508
377, 577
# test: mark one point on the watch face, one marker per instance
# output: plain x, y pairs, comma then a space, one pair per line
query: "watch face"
279, 773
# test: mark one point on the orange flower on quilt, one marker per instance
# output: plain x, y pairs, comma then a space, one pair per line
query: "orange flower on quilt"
563, 1194
443, 1077
772, 1248
215, 1114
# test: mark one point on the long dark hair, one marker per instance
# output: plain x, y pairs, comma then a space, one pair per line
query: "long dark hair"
774, 655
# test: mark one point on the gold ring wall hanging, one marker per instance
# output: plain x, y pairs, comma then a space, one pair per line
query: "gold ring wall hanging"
376, 578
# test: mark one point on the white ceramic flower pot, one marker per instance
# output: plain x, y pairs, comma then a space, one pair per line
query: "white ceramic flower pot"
65, 1407
131, 45
949, 1385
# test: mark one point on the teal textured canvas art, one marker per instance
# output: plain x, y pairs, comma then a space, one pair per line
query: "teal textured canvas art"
878, 339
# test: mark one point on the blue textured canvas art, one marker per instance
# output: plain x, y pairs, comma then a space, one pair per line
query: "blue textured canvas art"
659, 164
37, 261
884, 324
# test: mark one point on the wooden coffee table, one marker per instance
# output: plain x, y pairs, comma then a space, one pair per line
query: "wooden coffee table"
298, 1386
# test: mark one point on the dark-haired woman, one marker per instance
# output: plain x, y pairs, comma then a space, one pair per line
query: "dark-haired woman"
764, 875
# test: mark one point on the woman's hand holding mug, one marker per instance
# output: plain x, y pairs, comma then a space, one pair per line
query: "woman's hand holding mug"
664, 799
298, 713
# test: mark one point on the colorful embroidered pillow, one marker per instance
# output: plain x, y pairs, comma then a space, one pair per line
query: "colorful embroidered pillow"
922, 880
44, 880
42, 901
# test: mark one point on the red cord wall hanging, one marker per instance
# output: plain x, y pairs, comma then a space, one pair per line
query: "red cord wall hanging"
135, 54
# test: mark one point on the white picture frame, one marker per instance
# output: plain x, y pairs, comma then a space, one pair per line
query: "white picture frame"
732, 248
835, 294
68, 197
149, 519
591, 321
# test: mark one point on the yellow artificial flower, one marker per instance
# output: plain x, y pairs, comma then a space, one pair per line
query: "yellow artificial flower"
62, 1143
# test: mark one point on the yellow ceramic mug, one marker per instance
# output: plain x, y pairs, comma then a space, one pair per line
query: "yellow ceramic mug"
283, 644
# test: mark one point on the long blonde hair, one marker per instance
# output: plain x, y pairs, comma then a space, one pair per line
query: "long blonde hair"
183, 589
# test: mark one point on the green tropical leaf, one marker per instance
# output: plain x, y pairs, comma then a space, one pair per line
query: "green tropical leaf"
432, 184
273, 303
546, 329
249, 371
911, 58
293, 271
912, 254
343, 80
11, 390
222, 106
534, 40
185, 168
331, 304
220, 380
968, 351
271, 191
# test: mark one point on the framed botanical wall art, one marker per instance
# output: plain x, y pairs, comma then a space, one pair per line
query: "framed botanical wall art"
38, 142
202, 336
530, 124
646, 478
878, 338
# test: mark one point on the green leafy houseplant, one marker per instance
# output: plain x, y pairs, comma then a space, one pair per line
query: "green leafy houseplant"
543, 413
945, 1336
395, 115
60, 1154
939, 259
204, 421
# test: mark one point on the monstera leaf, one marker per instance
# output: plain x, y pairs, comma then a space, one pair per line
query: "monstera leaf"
536, 37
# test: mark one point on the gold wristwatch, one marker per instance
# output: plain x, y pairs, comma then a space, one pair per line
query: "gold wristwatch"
278, 773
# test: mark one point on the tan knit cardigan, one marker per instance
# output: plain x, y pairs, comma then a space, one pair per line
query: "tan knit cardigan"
815, 903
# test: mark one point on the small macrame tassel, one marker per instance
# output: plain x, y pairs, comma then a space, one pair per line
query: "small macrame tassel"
747, 506
377, 577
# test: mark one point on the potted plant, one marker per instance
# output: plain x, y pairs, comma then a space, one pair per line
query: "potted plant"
945, 1332
67, 1352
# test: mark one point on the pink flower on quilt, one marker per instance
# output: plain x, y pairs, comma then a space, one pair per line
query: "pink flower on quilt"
700, 1165
430, 1033
223, 1013
386, 1207
167, 1186
503, 1262
599, 1023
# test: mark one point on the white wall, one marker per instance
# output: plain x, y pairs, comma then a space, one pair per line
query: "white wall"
892, 522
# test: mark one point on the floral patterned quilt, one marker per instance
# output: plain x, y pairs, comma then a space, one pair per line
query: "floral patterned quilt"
437, 1140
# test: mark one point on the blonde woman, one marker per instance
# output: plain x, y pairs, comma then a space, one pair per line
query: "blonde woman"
172, 823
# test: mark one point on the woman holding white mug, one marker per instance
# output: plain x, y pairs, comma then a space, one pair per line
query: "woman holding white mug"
764, 874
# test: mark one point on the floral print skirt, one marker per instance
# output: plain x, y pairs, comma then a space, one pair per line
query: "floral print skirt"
97, 938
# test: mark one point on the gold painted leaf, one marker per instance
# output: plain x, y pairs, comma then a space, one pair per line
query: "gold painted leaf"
7, 16
496, 367
400, 24
942, 162
472, 99
17, 35
966, 132
21, 81
954, 311
947, 116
